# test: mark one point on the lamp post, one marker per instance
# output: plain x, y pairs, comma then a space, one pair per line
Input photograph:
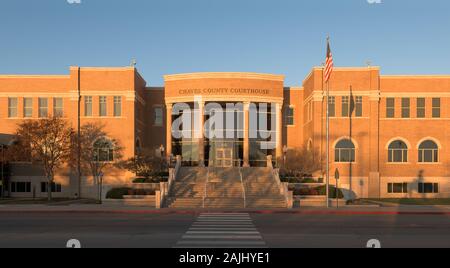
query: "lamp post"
336, 176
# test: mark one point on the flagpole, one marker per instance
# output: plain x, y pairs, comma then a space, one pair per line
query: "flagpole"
328, 144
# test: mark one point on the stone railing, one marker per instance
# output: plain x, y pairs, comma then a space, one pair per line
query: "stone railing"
162, 194
283, 186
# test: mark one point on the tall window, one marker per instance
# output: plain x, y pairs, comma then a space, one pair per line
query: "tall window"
28, 107
103, 150
289, 116
20, 187
43, 107
58, 107
428, 188
158, 116
428, 152
102, 106
398, 152
406, 106
344, 151
390, 108
397, 188
421, 108
359, 106
345, 106
55, 187
88, 106
436, 107
12, 107
332, 106
117, 106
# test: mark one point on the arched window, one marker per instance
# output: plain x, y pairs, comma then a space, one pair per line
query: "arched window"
428, 152
398, 152
103, 150
344, 151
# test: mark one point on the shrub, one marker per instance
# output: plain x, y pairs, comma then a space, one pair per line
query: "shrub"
117, 193
318, 191
308, 180
323, 191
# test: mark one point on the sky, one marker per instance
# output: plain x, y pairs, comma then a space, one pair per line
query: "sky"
182, 36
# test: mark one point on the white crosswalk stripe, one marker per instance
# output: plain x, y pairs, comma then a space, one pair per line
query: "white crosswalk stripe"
222, 230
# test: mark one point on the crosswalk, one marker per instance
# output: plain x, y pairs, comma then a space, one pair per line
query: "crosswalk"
222, 230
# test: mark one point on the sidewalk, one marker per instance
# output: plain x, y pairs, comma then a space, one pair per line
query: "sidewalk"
119, 209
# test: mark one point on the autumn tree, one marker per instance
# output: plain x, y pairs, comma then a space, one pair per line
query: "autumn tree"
45, 142
98, 152
301, 162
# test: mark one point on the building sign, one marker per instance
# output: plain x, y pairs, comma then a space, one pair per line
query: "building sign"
225, 91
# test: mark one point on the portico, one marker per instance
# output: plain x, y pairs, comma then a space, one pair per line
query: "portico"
250, 105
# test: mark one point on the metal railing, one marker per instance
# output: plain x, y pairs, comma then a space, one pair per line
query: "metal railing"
205, 193
243, 187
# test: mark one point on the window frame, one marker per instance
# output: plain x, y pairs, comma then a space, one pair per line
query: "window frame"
358, 106
103, 106
289, 119
406, 107
436, 107
117, 106
390, 109
157, 117
88, 106
58, 111
422, 153
422, 189
13, 111
394, 186
27, 108
340, 152
421, 111
332, 106
345, 105
392, 153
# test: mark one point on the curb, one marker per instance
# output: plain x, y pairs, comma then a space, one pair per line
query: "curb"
262, 212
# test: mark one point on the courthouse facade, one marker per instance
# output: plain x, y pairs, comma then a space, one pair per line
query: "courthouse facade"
389, 135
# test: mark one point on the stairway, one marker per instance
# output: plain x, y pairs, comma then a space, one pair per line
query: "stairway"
262, 191
224, 189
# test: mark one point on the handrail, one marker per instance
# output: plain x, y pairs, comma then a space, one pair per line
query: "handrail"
206, 187
243, 187
173, 173
283, 187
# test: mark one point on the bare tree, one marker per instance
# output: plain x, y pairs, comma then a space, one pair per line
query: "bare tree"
301, 162
98, 152
45, 142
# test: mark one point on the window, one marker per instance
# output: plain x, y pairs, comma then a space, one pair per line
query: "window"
102, 106
43, 107
28, 107
158, 116
428, 188
117, 106
103, 151
345, 151
359, 106
56, 188
398, 152
332, 106
390, 108
289, 116
397, 188
88, 106
20, 187
421, 110
428, 152
406, 105
436, 107
12, 107
345, 106
58, 107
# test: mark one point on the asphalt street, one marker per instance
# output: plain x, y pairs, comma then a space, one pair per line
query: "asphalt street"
232, 230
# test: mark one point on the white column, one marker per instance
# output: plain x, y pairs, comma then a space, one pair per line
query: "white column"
200, 133
279, 137
246, 134
169, 129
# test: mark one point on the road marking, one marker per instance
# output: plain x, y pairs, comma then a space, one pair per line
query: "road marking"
224, 230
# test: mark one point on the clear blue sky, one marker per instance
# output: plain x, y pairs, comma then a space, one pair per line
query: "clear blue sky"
176, 36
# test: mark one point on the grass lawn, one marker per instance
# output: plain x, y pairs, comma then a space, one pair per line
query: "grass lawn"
415, 201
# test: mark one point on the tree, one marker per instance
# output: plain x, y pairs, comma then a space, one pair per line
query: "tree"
301, 163
97, 153
144, 164
45, 142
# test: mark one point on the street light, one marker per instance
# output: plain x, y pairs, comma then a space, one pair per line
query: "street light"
336, 176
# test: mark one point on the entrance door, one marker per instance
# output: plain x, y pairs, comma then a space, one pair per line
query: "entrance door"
224, 157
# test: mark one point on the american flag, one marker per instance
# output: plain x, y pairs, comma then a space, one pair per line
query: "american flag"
329, 63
